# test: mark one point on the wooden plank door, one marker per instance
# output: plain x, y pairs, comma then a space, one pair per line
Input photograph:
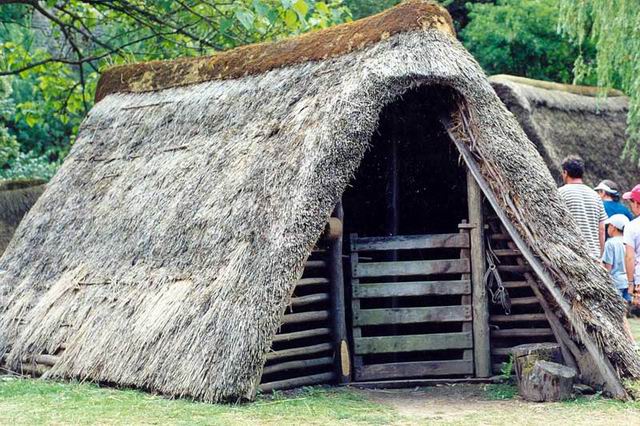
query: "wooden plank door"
411, 306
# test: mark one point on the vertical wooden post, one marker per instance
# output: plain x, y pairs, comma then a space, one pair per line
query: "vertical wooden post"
336, 278
481, 341
466, 299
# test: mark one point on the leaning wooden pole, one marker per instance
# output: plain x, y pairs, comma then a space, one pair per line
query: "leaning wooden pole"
609, 375
336, 279
480, 300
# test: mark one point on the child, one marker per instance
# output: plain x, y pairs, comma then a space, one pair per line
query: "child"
613, 256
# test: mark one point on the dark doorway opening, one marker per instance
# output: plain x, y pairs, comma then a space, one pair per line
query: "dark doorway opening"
410, 181
408, 280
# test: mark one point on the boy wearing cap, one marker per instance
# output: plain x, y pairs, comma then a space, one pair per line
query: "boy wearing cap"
631, 240
610, 196
614, 254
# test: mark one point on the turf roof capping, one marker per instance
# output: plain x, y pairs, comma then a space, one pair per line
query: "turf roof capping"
550, 85
258, 58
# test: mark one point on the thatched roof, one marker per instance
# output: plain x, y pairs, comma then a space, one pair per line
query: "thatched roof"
16, 198
564, 119
164, 252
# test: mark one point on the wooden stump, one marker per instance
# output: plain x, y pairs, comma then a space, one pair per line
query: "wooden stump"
547, 381
525, 356
537, 375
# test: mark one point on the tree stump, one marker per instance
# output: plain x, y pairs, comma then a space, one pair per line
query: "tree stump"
547, 381
540, 373
525, 356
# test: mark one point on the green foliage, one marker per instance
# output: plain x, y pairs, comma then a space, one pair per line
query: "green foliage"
614, 27
9, 146
507, 368
56, 62
501, 391
457, 8
363, 8
520, 37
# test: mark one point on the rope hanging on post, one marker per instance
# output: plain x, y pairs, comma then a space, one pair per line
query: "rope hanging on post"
493, 282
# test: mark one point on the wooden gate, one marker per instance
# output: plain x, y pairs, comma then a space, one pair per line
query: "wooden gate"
411, 305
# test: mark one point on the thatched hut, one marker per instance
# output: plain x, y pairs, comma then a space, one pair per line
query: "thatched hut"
565, 119
16, 198
183, 246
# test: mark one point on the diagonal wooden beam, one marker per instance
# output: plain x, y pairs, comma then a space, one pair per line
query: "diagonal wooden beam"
611, 379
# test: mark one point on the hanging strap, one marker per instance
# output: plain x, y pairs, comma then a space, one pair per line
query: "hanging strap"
493, 282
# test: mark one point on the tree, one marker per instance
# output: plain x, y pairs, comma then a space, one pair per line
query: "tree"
363, 8
55, 50
520, 37
614, 27
457, 8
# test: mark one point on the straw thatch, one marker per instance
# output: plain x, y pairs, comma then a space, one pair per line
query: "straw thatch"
16, 198
163, 253
563, 119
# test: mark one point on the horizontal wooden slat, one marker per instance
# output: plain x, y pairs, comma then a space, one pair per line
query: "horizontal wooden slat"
309, 299
306, 350
412, 343
515, 284
312, 281
414, 369
414, 288
412, 242
500, 351
515, 268
416, 267
506, 252
408, 383
518, 318
315, 379
305, 316
501, 237
315, 264
524, 301
296, 365
304, 334
522, 332
412, 315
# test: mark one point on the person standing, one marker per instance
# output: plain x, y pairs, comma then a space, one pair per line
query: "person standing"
610, 196
631, 239
613, 257
584, 204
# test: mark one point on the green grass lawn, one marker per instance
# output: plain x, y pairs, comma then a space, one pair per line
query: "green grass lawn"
28, 401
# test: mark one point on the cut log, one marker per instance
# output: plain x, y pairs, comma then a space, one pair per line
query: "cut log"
525, 356
546, 381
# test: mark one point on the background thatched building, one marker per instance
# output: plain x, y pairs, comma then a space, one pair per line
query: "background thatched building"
564, 119
182, 232
16, 198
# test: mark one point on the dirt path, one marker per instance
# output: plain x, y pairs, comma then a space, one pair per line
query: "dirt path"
446, 403
472, 405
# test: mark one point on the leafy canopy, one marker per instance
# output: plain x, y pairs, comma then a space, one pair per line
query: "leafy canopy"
520, 37
52, 52
614, 27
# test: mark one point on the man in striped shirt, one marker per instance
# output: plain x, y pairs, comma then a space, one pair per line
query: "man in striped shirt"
584, 204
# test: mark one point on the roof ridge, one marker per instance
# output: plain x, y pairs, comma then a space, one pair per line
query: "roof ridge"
259, 58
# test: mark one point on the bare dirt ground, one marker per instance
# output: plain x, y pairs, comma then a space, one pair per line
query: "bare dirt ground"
476, 405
